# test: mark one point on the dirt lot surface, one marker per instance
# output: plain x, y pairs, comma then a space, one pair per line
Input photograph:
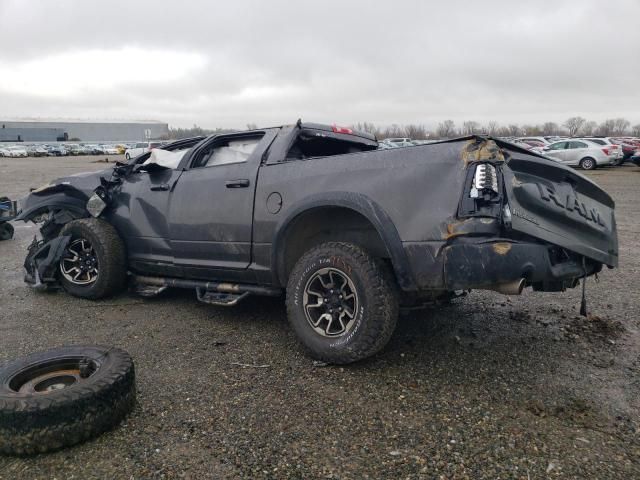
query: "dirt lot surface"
489, 387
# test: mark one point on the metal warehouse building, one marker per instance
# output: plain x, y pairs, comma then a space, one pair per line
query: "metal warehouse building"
90, 131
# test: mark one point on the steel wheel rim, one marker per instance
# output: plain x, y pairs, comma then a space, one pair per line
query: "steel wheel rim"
330, 302
53, 375
79, 264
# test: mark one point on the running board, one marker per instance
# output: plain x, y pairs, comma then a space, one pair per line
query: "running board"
220, 299
234, 291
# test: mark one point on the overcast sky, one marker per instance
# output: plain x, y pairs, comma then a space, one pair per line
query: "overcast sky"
226, 64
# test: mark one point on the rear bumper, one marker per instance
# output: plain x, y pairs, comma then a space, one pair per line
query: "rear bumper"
485, 265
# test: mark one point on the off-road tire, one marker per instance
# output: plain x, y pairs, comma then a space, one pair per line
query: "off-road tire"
110, 253
32, 423
588, 163
6, 231
377, 292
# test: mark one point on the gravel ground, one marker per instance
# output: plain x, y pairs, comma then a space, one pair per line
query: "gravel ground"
489, 387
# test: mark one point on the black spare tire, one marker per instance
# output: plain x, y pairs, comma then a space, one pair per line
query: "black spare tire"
61, 397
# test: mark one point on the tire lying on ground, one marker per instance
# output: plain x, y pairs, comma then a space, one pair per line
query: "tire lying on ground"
61, 397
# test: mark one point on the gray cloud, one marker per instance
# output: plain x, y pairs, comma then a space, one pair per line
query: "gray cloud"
332, 61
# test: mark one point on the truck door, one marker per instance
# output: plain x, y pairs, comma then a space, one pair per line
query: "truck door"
211, 207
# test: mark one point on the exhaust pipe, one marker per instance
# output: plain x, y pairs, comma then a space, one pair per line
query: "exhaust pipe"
510, 288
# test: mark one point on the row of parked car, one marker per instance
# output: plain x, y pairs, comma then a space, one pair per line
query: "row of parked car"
59, 150
129, 150
584, 152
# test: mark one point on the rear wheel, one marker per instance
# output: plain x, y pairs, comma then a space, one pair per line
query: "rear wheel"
94, 263
342, 303
587, 163
127, 156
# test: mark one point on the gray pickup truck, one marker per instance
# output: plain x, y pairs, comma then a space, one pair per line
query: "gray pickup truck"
349, 231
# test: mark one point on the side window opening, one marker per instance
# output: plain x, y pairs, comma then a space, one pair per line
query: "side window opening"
309, 144
228, 150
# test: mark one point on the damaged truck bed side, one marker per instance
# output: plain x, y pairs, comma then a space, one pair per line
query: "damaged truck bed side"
349, 231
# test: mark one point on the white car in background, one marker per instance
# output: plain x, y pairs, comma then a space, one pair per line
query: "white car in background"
14, 152
140, 148
579, 153
109, 149
398, 142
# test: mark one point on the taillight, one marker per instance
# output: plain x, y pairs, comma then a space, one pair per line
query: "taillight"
606, 151
337, 129
485, 178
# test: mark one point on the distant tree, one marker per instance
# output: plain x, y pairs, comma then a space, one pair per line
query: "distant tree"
446, 129
620, 126
195, 131
534, 130
607, 127
492, 128
416, 132
514, 130
550, 128
252, 126
470, 128
367, 127
635, 130
574, 124
75, 139
589, 128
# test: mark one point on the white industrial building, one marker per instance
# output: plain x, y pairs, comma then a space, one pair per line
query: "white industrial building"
87, 130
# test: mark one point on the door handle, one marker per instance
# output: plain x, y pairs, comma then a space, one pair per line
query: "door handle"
239, 183
163, 187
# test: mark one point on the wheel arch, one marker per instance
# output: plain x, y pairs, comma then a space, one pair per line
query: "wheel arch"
343, 208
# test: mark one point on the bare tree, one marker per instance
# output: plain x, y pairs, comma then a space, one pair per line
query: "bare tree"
514, 130
416, 132
589, 128
550, 128
607, 127
367, 127
532, 130
574, 124
252, 126
446, 129
635, 130
492, 128
620, 126
470, 128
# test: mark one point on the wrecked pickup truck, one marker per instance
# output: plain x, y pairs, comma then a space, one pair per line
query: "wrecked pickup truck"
350, 232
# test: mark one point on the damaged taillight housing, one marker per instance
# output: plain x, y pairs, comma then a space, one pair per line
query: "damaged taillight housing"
485, 178
483, 191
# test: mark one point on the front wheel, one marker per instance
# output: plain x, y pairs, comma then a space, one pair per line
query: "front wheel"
587, 163
6, 231
94, 263
342, 303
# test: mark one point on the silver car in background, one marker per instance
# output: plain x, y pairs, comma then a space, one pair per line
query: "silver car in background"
579, 153
610, 143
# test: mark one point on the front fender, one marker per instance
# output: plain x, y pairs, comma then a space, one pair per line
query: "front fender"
35, 204
361, 204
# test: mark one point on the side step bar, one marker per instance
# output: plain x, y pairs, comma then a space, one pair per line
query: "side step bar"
215, 293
